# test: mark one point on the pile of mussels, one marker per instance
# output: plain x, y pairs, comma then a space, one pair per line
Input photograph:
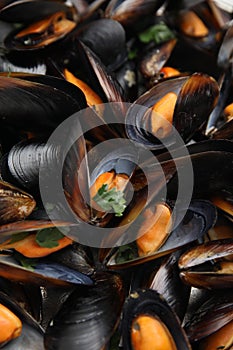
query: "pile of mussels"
161, 273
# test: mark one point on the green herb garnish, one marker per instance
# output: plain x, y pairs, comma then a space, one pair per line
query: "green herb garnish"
132, 53
110, 200
49, 237
126, 253
27, 263
18, 237
158, 33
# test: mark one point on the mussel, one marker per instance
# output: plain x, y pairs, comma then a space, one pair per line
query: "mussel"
177, 103
148, 322
30, 334
208, 265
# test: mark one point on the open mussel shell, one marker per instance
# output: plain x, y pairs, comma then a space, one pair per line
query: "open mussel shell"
151, 304
211, 315
31, 337
196, 97
214, 154
156, 57
226, 51
22, 11
15, 204
197, 220
122, 160
88, 317
208, 265
43, 273
225, 86
40, 34
128, 11
42, 105
100, 80
166, 281
76, 257
200, 24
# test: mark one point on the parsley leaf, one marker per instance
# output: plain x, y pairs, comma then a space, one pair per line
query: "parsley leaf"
158, 33
27, 263
49, 237
126, 253
18, 237
132, 53
110, 200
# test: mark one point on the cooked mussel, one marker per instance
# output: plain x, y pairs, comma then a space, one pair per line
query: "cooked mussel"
30, 334
127, 11
12, 326
200, 24
200, 216
40, 34
15, 204
149, 323
208, 265
183, 103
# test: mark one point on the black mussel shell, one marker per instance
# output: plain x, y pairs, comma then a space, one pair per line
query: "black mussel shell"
225, 84
226, 51
211, 315
37, 111
211, 154
15, 204
42, 274
204, 266
22, 11
106, 38
166, 281
100, 80
76, 257
129, 11
24, 161
88, 317
155, 58
149, 302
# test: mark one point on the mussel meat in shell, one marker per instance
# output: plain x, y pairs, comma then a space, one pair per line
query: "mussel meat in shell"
41, 33
208, 265
30, 334
149, 323
154, 244
184, 103
11, 326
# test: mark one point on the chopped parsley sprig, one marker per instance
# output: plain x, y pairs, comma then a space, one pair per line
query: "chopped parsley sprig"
110, 199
